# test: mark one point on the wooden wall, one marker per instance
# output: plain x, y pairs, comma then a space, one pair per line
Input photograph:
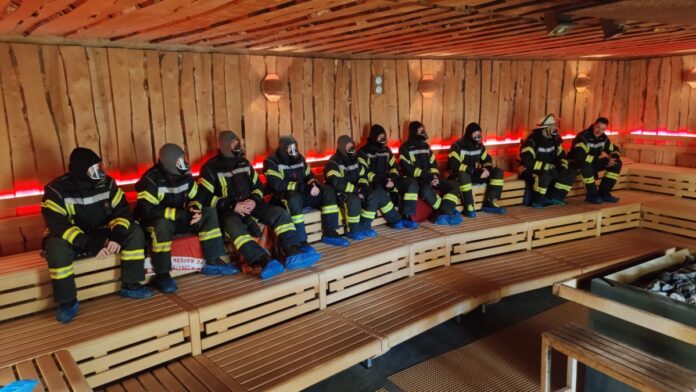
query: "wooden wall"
126, 103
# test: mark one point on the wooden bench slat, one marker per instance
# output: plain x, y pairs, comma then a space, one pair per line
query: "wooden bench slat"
51, 375
168, 380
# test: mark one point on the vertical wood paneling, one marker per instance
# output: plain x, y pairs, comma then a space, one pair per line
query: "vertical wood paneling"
472, 92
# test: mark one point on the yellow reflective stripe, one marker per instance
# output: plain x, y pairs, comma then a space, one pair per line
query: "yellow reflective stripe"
119, 221
271, 172
484, 155
258, 192
206, 184
333, 173
370, 176
438, 201
194, 191
362, 171
434, 170
117, 198
195, 204
363, 161
255, 177
392, 161
298, 219
611, 175
537, 188
432, 157
368, 214
583, 146
417, 172
213, 201
170, 213
452, 198
350, 187
70, 208
589, 158
538, 165
353, 219
363, 181
588, 180
223, 186
393, 170
145, 195
61, 273
52, 205
562, 187
496, 182
209, 235
135, 254
161, 247
307, 170
465, 188
529, 150
453, 154
292, 185
388, 207
411, 196
70, 234
463, 167
331, 209
284, 228
241, 240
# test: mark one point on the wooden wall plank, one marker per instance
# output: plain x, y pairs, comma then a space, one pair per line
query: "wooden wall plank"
663, 92
219, 99
6, 176
449, 88
170, 96
391, 105
120, 87
490, 85
188, 108
538, 91
145, 152
637, 95
568, 95
472, 92
650, 115
342, 114
233, 96
307, 105
554, 87
675, 92
579, 116
284, 106
155, 99
203, 79
57, 89
458, 125
272, 110
295, 76
619, 109
414, 76
100, 80
690, 63
403, 98
432, 107
521, 121
257, 105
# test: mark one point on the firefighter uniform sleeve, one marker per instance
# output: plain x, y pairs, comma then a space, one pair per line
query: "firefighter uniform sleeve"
121, 217
393, 169
363, 181
148, 201
408, 168
455, 161
581, 151
433, 168
485, 158
333, 177
275, 178
309, 177
561, 157
209, 191
58, 221
194, 196
365, 161
256, 186
528, 156
611, 149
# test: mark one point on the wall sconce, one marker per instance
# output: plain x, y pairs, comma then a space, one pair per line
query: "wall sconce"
582, 83
690, 77
379, 87
272, 87
427, 86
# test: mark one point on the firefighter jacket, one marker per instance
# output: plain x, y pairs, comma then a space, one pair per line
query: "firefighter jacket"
73, 208
466, 155
284, 173
587, 147
541, 153
345, 174
163, 195
224, 181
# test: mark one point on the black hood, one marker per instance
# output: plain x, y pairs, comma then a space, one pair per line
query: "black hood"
375, 131
224, 141
413, 130
469, 131
81, 159
341, 144
283, 143
168, 155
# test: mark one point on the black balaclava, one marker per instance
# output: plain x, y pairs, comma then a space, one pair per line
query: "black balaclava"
171, 157
81, 160
469, 133
225, 145
378, 136
341, 144
413, 134
284, 143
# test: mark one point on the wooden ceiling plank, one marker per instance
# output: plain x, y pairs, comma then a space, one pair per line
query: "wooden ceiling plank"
87, 13
29, 13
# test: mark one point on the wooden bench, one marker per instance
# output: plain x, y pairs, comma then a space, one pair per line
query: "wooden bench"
655, 238
624, 363
668, 180
673, 215
112, 337
54, 372
192, 374
556, 224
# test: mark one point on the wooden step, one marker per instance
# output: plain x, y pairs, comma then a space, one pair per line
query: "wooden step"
111, 337
54, 371
647, 237
479, 290
620, 361
556, 224
192, 374
404, 309
624, 214
668, 180
297, 354
428, 248
519, 272
674, 215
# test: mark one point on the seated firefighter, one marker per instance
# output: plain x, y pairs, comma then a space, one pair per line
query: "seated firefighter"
469, 163
418, 162
593, 152
230, 184
545, 164
168, 205
348, 177
87, 214
383, 175
294, 185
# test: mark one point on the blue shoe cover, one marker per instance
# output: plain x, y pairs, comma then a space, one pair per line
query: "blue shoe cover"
335, 241
272, 268
398, 225
67, 314
409, 224
356, 235
557, 202
307, 248
141, 292
538, 205
20, 386
302, 260
469, 214
369, 233
455, 219
442, 220
493, 210
166, 285
225, 269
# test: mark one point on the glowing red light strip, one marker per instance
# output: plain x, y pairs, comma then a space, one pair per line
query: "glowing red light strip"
662, 132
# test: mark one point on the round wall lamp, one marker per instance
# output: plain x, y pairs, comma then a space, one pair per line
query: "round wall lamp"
272, 87
582, 83
428, 86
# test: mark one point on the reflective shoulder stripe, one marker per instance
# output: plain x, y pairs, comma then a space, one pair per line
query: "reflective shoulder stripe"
145, 195
453, 154
529, 150
271, 172
194, 191
88, 200
52, 205
117, 198
333, 173
206, 184
583, 146
363, 161
172, 190
546, 149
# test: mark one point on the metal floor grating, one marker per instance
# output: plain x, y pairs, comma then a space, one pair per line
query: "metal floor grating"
507, 360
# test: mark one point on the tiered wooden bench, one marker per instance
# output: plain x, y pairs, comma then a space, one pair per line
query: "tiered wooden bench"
670, 180
624, 363
672, 215
54, 372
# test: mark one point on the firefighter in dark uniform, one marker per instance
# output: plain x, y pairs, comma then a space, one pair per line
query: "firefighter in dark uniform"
87, 214
469, 162
348, 177
593, 152
383, 173
294, 185
545, 165
417, 161
229, 183
168, 205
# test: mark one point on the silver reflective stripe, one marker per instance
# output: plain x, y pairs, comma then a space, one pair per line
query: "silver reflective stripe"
596, 145
379, 154
295, 166
88, 200
420, 151
179, 189
547, 149
472, 153
351, 167
235, 171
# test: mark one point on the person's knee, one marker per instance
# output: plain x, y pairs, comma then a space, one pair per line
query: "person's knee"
294, 202
59, 251
328, 195
164, 229
135, 238
496, 173
412, 186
